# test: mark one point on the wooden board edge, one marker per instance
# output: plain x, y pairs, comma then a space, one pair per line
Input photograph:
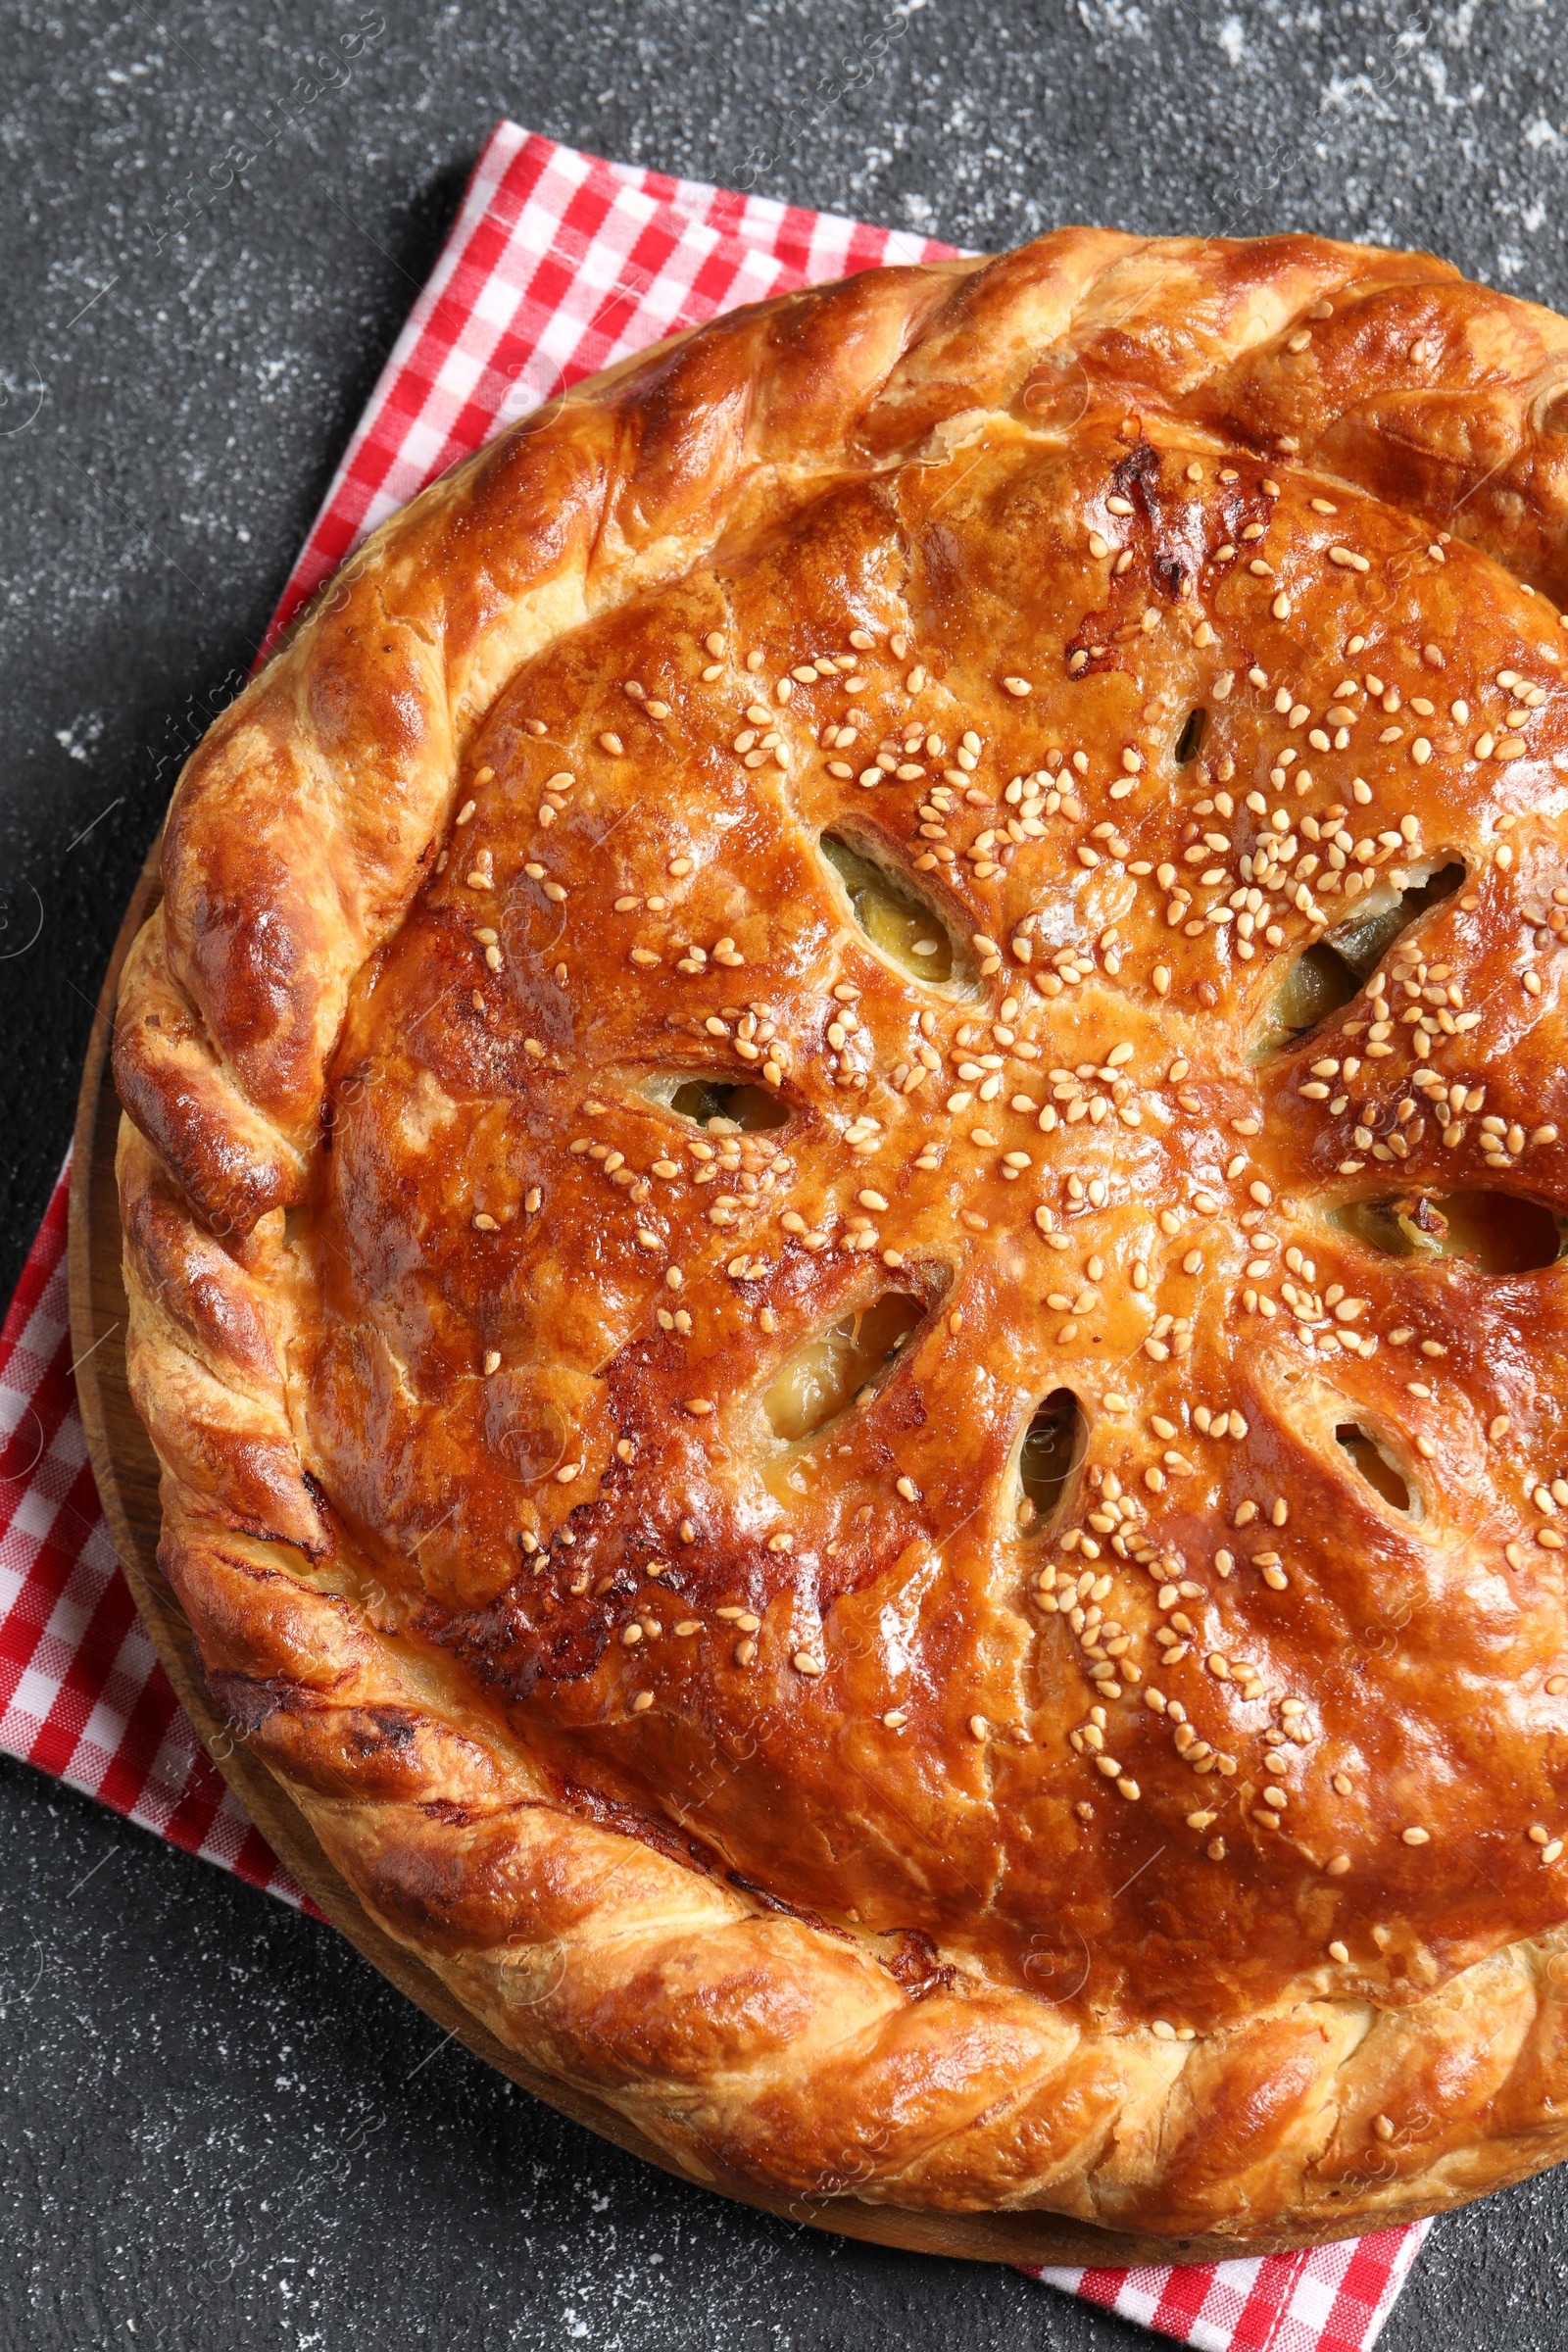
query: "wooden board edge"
125, 1473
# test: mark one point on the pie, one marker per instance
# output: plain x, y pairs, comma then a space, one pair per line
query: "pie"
843, 1189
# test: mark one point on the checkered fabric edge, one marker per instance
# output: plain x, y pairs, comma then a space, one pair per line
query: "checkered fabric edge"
83, 1694
558, 264
1329, 2299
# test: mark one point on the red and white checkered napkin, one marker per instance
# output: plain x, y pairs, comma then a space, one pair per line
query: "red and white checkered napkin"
558, 265
1334, 2299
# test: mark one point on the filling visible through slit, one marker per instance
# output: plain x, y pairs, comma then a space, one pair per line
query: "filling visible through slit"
1327, 975
1498, 1233
834, 1367
1053, 1448
1380, 1473
728, 1105
895, 919
1190, 742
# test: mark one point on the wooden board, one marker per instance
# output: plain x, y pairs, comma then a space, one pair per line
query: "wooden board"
126, 1472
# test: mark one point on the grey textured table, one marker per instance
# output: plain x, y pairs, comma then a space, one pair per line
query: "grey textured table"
217, 2129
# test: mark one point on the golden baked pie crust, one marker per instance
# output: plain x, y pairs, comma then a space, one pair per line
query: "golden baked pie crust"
1187, 1859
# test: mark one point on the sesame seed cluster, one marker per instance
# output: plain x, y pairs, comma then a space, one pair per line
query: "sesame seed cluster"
845, 1194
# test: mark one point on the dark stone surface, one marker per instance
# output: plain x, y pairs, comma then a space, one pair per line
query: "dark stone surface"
216, 2125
